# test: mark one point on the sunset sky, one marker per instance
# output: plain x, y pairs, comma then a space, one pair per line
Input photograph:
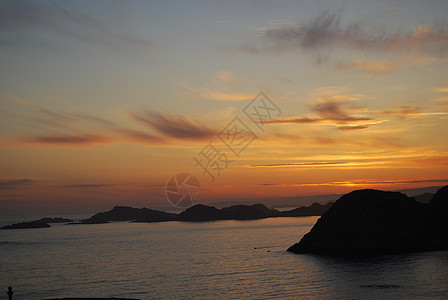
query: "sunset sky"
103, 101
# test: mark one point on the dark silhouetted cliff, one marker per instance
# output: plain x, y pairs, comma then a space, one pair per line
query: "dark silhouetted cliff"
440, 201
375, 222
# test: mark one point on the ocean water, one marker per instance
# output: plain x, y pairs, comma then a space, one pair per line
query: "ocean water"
211, 260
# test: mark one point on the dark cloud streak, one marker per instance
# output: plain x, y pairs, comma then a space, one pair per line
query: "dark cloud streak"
88, 185
13, 184
332, 112
357, 127
175, 126
66, 139
327, 31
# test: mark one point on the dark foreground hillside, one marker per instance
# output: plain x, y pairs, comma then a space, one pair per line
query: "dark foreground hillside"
377, 222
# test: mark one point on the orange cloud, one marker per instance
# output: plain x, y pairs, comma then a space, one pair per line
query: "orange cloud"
354, 127
405, 111
230, 96
441, 89
312, 164
369, 66
363, 183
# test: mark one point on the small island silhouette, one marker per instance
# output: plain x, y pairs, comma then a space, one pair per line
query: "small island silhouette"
377, 222
41, 223
196, 213
203, 213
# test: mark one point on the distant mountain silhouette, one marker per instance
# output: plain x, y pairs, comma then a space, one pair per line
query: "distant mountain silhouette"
440, 202
54, 220
424, 198
315, 209
377, 222
289, 202
282, 203
202, 213
249, 212
26, 225
125, 213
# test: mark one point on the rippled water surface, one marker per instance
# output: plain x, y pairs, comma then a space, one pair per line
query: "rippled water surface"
220, 260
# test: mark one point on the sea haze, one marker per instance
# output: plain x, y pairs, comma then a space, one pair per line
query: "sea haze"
207, 260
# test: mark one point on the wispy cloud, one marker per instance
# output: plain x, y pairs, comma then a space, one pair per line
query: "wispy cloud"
443, 100
37, 107
441, 89
175, 126
311, 164
369, 66
60, 117
332, 110
363, 183
21, 20
89, 185
58, 139
405, 111
222, 86
393, 182
230, 96
52, 127
140, 136
15, 183
328, 31
336, 108
313, 137
353, 127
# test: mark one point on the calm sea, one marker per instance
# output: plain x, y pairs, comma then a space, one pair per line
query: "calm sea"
213, 260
